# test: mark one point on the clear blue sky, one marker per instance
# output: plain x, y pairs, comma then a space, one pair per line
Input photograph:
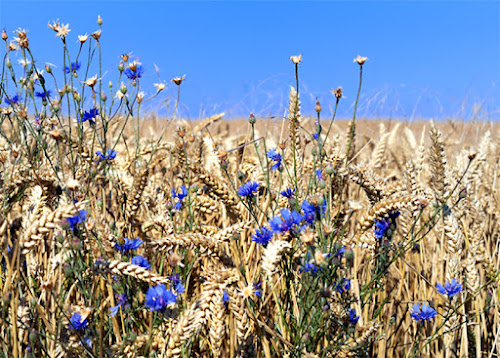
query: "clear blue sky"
426, 59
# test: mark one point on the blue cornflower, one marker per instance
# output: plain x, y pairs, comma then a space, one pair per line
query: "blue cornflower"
141, 261
43, 95
78, 218
423, 312
381, 226
312, 212
288, 193
287, 221
248, 189
159, 297
129, 245
110, 156
177, 283
316, 135
274, 156
450, 288
76, 322
319, 174
134, 74
343, 286
180, 288
309, 266
174, 278
180, 196
262, 236
352, 316
122, 300
341, 252
75, 66
89, 115
257, 291
225, 296
87, 341
12, 100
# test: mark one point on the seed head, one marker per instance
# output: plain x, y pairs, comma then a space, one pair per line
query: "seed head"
338, 92
160, 86
22, 38
83, 38
140, 97
91, 81
360, 60
72, 184
222, 154
4, 35
61, 30
55, 133
307, 236
296, 59
175, 260
96, 35
12, 46
320, 257
119, 94
247, 291
178, 80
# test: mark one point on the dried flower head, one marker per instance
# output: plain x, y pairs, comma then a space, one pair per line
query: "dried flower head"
120, 94
247, 291
307, 236
72, 184
96, 35
22, 38
360, 60
222, 154
337, 92
83, 38
160, 86
178, 80
12, 46
320, 257
140, 97
4, 35
125, 57
134, 65
175, 260
55, 133
91, 81
296, 59
61, 30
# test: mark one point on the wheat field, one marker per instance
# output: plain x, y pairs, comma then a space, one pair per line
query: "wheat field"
125, 235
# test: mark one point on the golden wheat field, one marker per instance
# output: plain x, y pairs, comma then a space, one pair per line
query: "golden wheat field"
124, 235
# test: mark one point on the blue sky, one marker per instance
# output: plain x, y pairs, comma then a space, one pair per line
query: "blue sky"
426, 59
